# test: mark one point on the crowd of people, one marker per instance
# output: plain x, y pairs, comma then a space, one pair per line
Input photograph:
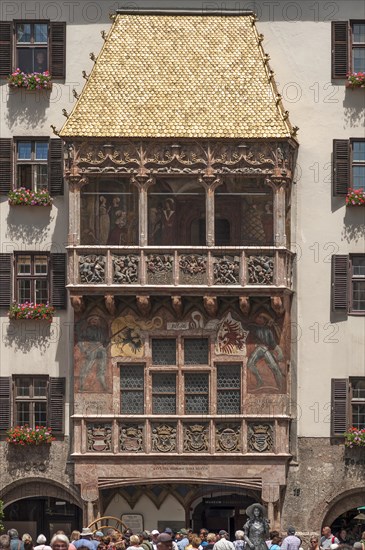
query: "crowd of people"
184, 539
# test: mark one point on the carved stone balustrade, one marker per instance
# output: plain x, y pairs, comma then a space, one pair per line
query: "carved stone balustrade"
139, 435
108, 268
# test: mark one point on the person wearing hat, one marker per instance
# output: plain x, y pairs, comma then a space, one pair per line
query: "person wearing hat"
41, 543
223, 543
164, 542
86, 540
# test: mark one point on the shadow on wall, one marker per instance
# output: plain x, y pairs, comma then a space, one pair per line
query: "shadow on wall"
27, 108
29, 225
354, 108
28, 335
354, 224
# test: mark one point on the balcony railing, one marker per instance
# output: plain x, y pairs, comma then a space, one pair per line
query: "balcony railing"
125, 435
115, 266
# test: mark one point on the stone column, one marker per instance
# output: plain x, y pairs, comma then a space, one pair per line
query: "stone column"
143, 182
210, 183
90, 497
75, 185
271, 495
278, 187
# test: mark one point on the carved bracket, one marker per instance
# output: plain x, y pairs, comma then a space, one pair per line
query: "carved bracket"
110, 304
245, 306
78, 303
211, 305
143, 305
177, 305
277, 305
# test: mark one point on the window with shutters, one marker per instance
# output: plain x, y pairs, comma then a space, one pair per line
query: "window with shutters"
348, 165
33, 46
32, 282
357, 395
32, 49
347, 404
31, 394
357, 284
348, 48
348, 283
32, 164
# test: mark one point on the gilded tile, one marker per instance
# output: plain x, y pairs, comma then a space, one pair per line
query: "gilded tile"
179, 76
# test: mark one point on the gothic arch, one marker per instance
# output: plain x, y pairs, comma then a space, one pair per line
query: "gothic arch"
343, 502
35, 487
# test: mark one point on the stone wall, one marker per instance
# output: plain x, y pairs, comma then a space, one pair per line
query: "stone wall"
328, 480
37, 471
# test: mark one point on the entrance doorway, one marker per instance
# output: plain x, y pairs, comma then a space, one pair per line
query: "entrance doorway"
227, 511
44, 515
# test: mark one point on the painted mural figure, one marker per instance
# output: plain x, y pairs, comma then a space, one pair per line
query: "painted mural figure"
256, 528
92, 345
104, 220
267, 349
168, 221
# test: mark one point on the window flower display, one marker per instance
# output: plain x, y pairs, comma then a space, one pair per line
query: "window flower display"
26, 197
24, 435
356, 80
30, 81
355, 197
28, 310
355, 437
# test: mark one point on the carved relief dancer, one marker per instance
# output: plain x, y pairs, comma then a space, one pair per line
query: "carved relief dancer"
104, 220
168, 222
92, 345
268, 349
256, 528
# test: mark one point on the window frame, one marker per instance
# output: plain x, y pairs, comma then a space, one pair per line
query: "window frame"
355, 400
31, 399
353, 163
32, 276
180, 370
354, 278
33, 161
31, 45
352, 44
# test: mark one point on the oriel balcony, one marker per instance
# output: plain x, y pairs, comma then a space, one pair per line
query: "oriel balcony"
110, 268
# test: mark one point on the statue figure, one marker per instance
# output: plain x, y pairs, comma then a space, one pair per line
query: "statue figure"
256, 528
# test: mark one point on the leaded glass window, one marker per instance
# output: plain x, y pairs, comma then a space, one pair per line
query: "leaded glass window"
228, 389
196, 393
132, 389
164, 393
163, 351
196, 351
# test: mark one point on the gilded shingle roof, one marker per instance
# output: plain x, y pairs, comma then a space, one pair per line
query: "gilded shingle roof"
179, 76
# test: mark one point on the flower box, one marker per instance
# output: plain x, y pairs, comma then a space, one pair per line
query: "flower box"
356, 80
355, 437
26, 197
23, 435
355, 197
30, 81
30, 311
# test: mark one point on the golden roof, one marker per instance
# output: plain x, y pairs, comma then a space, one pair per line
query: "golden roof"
188, 76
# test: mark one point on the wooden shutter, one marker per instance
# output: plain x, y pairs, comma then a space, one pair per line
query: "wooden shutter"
341, 167
6, 40
340, 274
5, 402
56, 406
339, 406
5, 279
57, 56
56, 167
58, 269
6, 165
340, 49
